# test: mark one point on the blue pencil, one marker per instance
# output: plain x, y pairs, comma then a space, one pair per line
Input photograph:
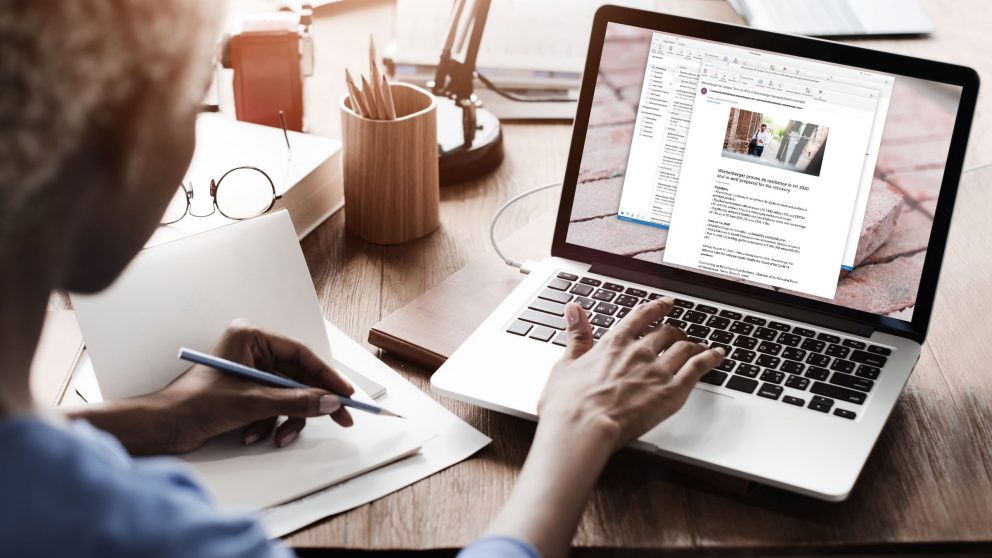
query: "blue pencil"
255, 375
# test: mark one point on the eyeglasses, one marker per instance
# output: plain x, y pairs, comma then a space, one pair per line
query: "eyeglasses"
240, 193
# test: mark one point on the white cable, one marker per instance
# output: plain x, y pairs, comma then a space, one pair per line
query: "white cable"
977, 167
492, 225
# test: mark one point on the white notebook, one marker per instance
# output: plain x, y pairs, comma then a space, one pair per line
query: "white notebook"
184, 293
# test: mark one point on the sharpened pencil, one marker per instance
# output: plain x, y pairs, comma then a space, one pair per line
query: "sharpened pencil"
387, 94
357, 99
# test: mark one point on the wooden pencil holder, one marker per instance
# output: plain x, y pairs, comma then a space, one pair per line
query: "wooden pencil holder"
391, 169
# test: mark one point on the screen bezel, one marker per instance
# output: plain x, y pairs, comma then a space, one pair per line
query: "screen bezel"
814, 49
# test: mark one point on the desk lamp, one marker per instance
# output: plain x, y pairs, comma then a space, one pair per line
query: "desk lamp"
469, 137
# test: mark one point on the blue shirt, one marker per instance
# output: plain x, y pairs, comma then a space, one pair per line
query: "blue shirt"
72, 490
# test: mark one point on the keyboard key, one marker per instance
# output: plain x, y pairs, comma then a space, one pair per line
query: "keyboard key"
540, 318
585, 303
770, 391
794, 354
626, 300
677, 323
837, 392
655, 296
721, 336
676, 312
559, 285
718, 322
699, 340
805, 332
590, 281
694, 317
844, 413
552, 308
769, 348
519, 328
561, 339
742, 384
696, 330
813, 345
542, 333
863, 357
853, 382
768, 361
828, 338
604, 295
727, 365
555, 296
749, 370
623, 312
581, 290
765, 333
600, 320
870, 372
568, 276
772, 376
779, 326
600, 333
636, 292
792, 367
714, 377
726, 348
613, 287
797, 382
706, 308
817, 373
606, 308
841, 365
854, 344
754, 320
821, 404
793, 401
818, 360
741, 328
683, 303
789, 339
731, 314
884, 351
837, 351
745, 342
743, 355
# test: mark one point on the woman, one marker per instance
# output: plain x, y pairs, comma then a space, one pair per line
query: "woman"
98, 104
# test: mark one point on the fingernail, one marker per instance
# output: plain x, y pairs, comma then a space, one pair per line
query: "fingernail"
329, 404
666, 300
287, 439
251, 439
572, 314
720, 350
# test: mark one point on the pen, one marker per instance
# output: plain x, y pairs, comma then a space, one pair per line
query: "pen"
255, 375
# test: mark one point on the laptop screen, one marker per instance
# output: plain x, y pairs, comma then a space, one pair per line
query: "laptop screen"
809, 178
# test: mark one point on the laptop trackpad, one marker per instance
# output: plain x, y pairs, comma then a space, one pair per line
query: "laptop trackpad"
706, 419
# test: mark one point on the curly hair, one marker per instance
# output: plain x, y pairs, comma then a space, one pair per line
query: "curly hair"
66, 65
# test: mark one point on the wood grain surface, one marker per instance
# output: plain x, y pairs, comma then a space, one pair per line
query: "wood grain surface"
927, 487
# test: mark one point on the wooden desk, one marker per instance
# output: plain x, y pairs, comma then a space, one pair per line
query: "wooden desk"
943, 422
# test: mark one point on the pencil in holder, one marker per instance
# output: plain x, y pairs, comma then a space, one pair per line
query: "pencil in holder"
391, 169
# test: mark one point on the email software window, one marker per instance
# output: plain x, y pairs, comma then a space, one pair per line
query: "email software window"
759, 164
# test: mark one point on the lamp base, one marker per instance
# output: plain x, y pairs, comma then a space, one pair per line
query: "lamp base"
463, 156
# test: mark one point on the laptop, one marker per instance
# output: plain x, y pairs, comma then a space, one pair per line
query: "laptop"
792, 195
836, 18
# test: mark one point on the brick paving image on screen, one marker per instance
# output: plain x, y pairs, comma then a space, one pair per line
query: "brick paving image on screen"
898, 219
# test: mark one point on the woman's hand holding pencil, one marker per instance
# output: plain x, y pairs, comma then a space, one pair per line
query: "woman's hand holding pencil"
375, 99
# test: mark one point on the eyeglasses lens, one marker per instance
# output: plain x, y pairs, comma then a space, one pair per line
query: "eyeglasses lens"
244, 193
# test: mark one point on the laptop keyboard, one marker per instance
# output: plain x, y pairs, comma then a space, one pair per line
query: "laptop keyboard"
794, 365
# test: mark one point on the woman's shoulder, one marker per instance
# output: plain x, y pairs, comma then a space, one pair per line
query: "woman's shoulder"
69, 488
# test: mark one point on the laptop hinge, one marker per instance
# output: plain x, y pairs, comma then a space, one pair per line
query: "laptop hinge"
845, 325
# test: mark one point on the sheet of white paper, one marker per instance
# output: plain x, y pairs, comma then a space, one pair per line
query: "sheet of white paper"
186, 292
325, 454
456, 440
